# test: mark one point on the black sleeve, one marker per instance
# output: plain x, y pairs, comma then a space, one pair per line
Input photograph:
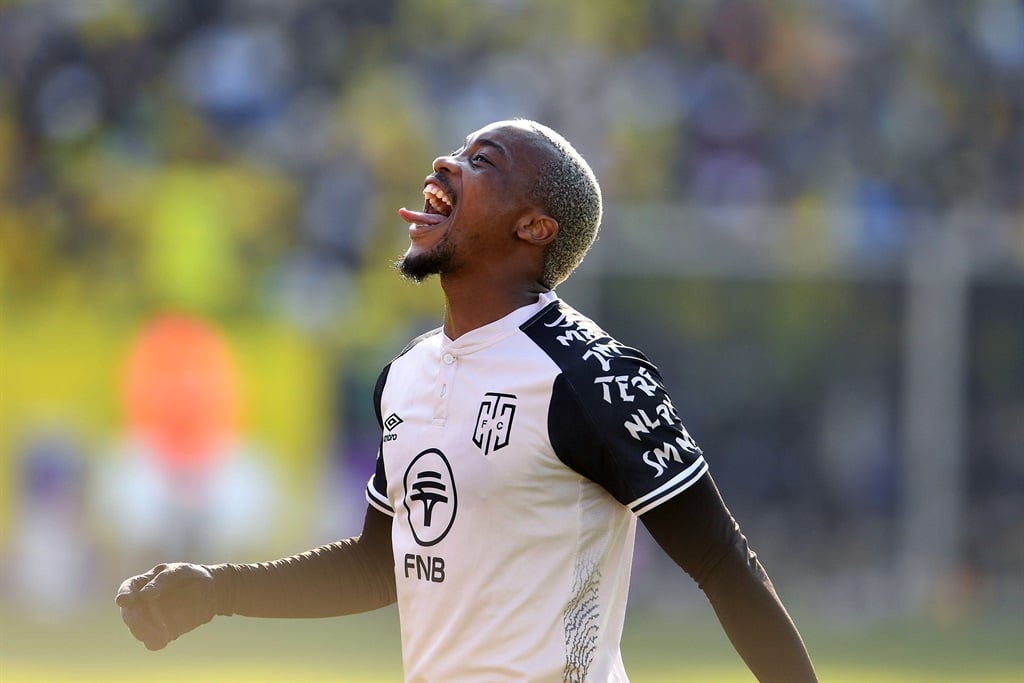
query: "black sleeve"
700, 534
697, 531
346, 577
378, 393
377, 486
611, 418
619, 429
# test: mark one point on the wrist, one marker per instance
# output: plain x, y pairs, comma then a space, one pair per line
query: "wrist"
223, 588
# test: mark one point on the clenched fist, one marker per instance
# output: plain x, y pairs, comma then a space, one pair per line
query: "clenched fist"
166, 601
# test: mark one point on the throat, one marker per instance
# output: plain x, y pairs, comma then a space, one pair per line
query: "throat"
470, 307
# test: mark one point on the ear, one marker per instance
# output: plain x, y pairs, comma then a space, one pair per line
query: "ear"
537, 228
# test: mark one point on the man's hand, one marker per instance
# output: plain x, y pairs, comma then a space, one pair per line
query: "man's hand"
166, 601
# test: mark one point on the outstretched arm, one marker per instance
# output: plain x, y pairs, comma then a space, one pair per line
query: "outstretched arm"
345, 577
699, 533
354, 575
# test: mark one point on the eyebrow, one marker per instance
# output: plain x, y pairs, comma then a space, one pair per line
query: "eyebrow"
487, 142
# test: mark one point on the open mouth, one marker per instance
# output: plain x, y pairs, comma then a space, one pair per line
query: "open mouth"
437, 200
438, 205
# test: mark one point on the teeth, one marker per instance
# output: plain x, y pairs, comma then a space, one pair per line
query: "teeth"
438, 199
434, 203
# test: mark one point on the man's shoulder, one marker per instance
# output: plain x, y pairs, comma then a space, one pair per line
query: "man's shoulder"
427, 337
577, 344
417, 342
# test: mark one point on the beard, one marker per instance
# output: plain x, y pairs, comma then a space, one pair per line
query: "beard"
436, 261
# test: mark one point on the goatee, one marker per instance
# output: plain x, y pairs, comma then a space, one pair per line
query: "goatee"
418, 267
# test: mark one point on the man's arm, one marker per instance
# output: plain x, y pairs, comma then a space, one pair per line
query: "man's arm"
345, 577
354, 575
699, 533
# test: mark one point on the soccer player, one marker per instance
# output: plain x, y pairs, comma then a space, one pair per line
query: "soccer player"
520, 444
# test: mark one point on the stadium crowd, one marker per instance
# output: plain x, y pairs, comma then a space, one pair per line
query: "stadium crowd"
244, 158
320, 111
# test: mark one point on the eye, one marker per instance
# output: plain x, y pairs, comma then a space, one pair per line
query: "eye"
478, 158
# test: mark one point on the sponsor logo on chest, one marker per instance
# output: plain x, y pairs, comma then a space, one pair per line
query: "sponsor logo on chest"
430, 495
431, 503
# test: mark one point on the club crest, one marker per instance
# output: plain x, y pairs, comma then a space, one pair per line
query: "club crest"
494, 422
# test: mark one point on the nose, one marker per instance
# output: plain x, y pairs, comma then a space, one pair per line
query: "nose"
444, 163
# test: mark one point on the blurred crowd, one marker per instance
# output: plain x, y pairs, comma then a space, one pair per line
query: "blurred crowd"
240, 159
294, 129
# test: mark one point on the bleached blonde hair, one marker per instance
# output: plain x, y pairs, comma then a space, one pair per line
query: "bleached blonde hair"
568, 191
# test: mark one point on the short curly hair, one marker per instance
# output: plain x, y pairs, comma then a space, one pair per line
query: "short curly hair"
568, 191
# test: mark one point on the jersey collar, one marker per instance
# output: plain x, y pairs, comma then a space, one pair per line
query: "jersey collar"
492, 333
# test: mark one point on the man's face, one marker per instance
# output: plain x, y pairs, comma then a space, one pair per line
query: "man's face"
472, 202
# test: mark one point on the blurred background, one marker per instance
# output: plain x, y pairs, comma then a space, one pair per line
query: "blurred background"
814, 226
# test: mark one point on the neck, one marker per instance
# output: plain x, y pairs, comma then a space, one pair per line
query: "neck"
470, 305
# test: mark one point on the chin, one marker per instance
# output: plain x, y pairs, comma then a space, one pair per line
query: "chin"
418, 265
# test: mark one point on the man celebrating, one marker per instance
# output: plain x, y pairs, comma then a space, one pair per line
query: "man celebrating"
520, 444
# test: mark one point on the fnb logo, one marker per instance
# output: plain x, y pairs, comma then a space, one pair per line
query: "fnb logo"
494, 421
430, 497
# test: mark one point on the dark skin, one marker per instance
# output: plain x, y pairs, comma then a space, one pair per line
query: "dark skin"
489, 253
485, 237
493, 260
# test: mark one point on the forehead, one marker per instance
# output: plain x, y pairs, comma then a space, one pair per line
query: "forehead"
518, 142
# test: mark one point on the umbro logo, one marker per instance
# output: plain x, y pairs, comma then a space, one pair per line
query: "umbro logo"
390, 423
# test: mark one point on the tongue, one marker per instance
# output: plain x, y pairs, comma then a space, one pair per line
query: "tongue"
420, 218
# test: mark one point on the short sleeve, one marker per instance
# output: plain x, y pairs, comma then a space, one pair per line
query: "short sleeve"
377, 489
615, 424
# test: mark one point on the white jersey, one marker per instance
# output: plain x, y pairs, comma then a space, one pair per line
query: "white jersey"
515, 460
